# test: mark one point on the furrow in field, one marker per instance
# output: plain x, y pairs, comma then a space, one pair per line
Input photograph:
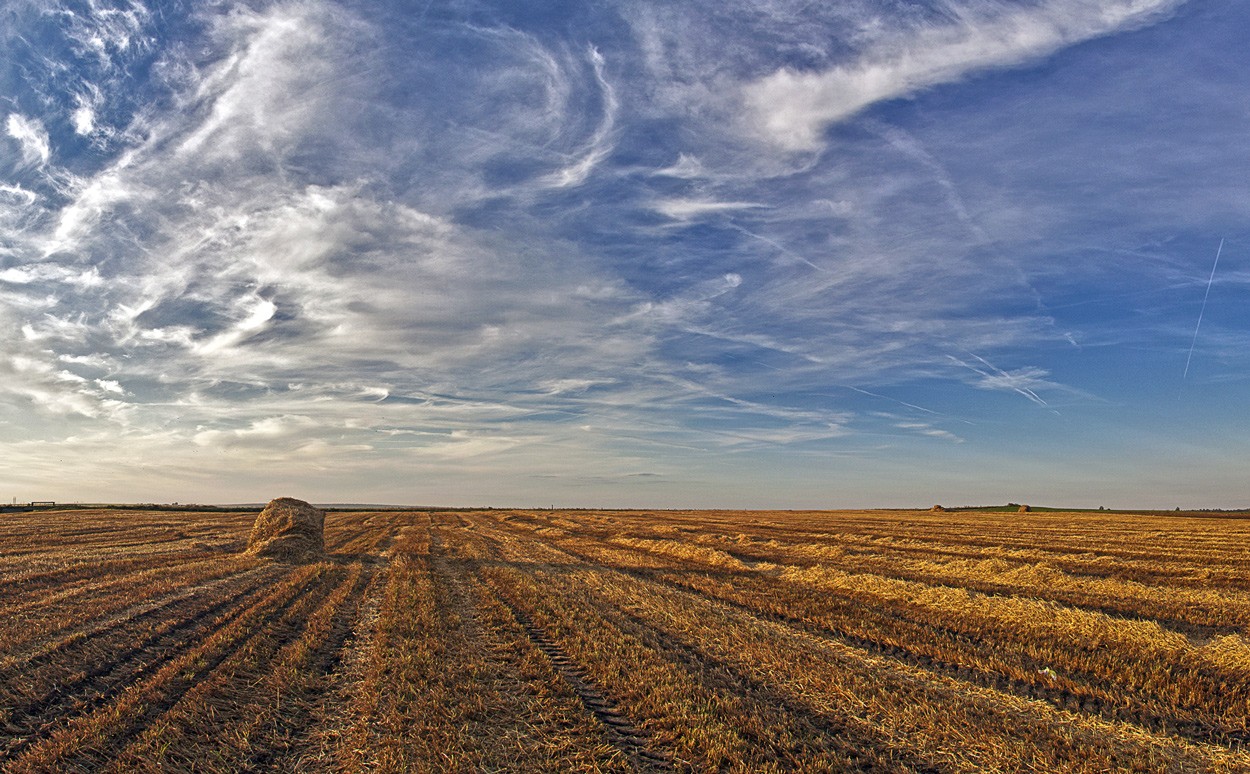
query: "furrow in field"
1034, 650
452, 684
332, 710
623, 733
1193, 610
61, 612
703, 717
42, 651
94, 687
366, 536
874, 624
255, 710
595, 739
91, 740
76, 676
943, 650
895, 696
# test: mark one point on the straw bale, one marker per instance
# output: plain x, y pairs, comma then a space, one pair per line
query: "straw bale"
290, 530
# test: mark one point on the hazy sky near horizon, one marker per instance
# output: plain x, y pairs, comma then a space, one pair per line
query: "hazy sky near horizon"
730, 253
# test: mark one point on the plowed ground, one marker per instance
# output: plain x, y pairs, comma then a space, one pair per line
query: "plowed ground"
627, 641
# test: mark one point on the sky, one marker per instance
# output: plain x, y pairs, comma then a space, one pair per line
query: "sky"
631, 253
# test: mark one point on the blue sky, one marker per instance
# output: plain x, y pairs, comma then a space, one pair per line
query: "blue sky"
744, 254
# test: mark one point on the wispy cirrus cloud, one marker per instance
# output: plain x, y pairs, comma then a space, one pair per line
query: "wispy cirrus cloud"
1025, 382
600, 144
791, 108
31, 138
929, 430
690, 209
225, 275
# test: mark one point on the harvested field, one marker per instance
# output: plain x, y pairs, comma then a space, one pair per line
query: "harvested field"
627, 641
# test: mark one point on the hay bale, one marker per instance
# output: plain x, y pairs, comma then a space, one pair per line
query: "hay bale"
290, 530
1023, 509
938, 509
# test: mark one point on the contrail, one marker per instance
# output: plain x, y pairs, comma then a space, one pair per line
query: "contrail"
784, 250
1203, 310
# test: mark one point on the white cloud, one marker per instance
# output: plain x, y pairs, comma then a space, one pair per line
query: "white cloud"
686, 167
52, 272
926, 429
792, 108
571, 385
339, 252
92, 199
257, 313
52, 391
57, 330
600, 144
261, 431
84, 120
463, 445
16, 192
111, 385
104, 32
32, 138
689, 209
1023, 381
88, 99
272, 85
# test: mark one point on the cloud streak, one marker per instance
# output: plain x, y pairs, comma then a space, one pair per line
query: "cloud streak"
791, 108
600, 144
31, 137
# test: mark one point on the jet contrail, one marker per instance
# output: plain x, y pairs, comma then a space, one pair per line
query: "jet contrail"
1203, 310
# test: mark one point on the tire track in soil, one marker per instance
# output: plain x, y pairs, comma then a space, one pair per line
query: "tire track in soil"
721, 676
621, 731
171, 693
333, 713
326, 664
623, 734
1057, 696
36, 719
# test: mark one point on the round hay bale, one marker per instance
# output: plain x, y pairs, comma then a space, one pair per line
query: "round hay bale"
1023, 509
938, 509
290, 530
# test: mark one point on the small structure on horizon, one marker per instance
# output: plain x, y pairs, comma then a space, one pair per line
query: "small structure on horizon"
289, 530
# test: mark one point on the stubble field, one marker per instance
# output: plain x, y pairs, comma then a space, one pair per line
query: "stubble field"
625, 641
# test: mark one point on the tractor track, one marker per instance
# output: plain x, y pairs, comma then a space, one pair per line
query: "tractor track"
326, 662
622, 732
